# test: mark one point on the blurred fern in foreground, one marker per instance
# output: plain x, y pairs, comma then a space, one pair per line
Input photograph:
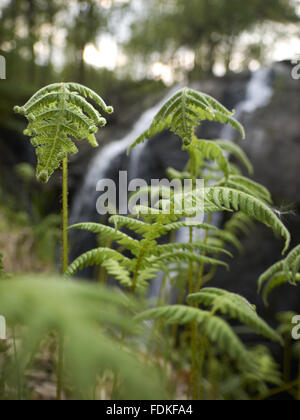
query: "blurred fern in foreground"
91, 319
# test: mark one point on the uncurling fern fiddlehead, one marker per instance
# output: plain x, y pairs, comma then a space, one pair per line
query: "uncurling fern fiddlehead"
57, 114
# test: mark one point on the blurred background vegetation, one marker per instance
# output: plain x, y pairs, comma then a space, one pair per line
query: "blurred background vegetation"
128, 51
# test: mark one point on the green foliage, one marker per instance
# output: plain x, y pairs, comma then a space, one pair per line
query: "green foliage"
210, 150
56, 113
283, 272
251, 206
89, 318
215, 328
183, 113
236, 307
237, 152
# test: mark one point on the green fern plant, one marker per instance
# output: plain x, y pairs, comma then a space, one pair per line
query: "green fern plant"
283, 272
58, 114
184, 111
226, 190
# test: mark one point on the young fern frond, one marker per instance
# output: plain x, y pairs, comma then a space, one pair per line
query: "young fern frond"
184, 112
251, 206
57, 114
214, 327
236, 307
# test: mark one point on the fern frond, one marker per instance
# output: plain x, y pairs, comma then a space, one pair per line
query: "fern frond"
119, 272
95, 257
236, 151
270, 273
56, 113
2, 272
251, 206
196, 246
183, 113
90, 318
210, 150
174, 174
234, 306
217, 330
240, 223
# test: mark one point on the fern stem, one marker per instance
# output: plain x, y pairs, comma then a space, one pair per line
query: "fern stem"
65, 217
276, 391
